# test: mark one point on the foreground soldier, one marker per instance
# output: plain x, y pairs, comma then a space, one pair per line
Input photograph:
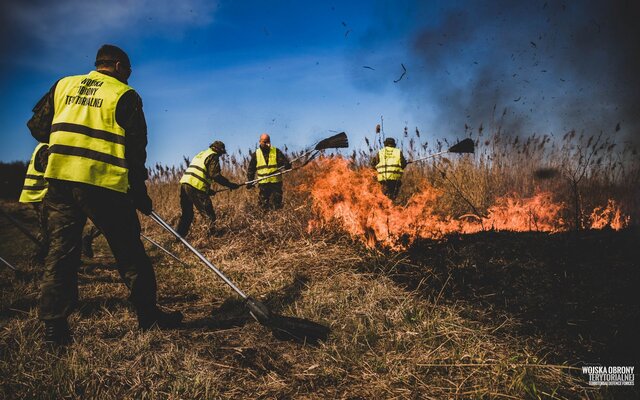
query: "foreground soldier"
97, 134
390, 164
195, 187
33, 191
265, 161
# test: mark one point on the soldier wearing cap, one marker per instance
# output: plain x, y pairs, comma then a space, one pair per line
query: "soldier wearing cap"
389, 163
195, 187
97, 136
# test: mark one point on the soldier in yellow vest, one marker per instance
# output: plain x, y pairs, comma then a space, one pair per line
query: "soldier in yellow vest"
267, 160
195, 187
97, 137
389, 164
33, 191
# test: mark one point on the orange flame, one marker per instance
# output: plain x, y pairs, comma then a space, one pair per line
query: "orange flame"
538, 213
354, 200
609, 216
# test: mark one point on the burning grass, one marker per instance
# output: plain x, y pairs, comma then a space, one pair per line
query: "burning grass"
354, 200
419, 305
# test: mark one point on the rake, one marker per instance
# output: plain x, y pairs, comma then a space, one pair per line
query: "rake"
465, 146
337, 141
282, 327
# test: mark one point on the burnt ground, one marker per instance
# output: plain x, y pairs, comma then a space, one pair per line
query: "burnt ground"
575, 292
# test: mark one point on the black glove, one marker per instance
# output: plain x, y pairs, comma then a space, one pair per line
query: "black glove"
233, 186
141, 200
41, 159
251, 185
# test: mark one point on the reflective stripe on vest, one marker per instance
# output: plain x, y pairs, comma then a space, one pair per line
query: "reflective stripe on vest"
86, 144
35, 186
264, 168
389, 167
196, 173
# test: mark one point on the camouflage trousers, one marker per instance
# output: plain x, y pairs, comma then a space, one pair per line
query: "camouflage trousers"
391, 188
43, 236
190, 197
270, 196
67, 205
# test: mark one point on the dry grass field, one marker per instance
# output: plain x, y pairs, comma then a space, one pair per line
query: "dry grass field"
495, 275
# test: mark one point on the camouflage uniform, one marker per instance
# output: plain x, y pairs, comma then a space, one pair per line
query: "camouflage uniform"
68, 204
190, 197
43, 235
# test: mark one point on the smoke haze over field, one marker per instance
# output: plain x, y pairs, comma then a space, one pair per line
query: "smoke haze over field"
300, 71
547, 66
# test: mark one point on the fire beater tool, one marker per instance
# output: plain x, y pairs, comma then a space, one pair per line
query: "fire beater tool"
337, 141
465, 146
282, 327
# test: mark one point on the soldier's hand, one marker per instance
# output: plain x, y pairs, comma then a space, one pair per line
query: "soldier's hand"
233, 186
143, 203
141, 200
251, 185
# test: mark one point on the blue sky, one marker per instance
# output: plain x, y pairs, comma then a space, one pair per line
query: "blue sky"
300, 70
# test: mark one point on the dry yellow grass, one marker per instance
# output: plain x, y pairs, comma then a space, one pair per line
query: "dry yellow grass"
399, 329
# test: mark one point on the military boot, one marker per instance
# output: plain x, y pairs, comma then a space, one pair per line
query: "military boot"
57, 332
155, 317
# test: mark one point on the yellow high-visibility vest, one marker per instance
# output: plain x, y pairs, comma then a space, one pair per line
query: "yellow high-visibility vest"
35, 186
87, 144
264, 168
389, 167
196, 173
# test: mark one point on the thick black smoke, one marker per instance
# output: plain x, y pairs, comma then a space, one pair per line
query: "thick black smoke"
527, 67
